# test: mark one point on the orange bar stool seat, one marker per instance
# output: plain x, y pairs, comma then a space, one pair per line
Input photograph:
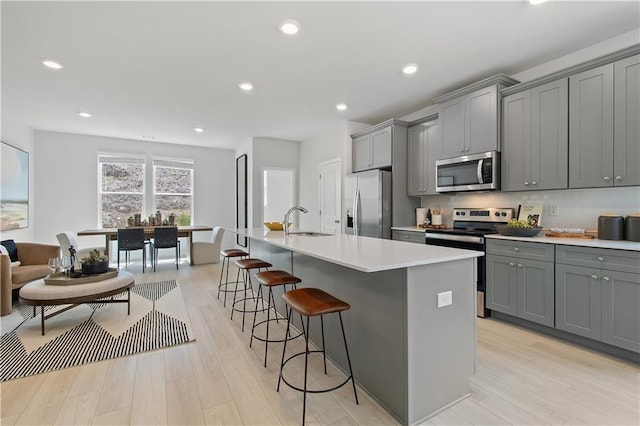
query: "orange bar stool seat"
227, 254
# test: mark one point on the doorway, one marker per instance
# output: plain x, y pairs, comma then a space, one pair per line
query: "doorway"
330, 194
278, 193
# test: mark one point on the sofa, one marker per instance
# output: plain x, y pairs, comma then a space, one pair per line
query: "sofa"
33, 261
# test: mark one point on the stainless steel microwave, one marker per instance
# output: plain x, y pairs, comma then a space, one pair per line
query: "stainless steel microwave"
476, 172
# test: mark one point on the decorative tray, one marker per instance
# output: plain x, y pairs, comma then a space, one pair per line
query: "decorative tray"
60, 279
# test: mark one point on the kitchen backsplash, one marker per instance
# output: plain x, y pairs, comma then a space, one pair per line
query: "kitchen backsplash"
576, 208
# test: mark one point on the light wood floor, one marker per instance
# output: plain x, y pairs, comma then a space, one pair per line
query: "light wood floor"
522, 378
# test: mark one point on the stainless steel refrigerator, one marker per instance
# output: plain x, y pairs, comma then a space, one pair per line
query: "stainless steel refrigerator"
367, 206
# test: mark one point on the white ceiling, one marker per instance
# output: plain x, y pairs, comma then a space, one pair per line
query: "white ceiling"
162, 68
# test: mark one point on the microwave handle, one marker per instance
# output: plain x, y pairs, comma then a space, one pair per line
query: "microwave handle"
479, 170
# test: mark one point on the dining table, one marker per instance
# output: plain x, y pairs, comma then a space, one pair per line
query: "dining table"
111, 234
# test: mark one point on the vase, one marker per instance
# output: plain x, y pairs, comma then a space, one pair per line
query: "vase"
95, 268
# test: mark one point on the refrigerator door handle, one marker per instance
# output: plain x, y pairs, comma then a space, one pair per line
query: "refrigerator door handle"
356, 212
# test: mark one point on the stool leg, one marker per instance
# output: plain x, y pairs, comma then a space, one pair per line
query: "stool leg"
266, 342
235, 292
224, 258
284, 348
344, 337
324, 352
306, 366
255, 314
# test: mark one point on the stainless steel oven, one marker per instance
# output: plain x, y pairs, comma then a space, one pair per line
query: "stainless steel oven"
476, 172
468, 231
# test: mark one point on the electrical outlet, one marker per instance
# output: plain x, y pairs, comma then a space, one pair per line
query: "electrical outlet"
445, 299
553, 210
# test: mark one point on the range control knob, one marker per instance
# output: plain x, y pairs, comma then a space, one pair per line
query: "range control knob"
457, 213
497, 214
503, 213
463, 213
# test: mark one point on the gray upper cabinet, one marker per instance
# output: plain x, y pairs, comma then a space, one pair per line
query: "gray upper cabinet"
373, 150
469, 117
626, 132
423, 148
535, 138
591, 128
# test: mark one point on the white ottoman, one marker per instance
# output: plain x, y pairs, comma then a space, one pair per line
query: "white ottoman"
37, 293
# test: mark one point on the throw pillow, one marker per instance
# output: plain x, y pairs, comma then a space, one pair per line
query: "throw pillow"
11, 247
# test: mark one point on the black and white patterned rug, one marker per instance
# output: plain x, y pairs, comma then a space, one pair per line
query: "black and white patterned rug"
93, 332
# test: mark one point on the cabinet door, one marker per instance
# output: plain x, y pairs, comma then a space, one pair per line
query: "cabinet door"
536, 291
501, 284
550, 136
579, 300
626, 151
481, 121
516, 142
591, 128
621, 309
415, 163
433, 147
361, 153
452, 126
381, 148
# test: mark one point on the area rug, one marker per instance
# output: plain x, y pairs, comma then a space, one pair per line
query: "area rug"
94, 331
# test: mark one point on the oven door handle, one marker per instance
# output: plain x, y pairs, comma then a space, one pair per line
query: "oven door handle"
479, 170
464, 238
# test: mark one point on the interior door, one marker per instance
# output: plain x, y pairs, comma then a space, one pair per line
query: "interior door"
330, 196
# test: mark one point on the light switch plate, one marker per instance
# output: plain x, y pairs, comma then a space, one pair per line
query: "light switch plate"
445, 299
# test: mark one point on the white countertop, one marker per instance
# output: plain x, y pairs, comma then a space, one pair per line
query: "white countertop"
361, 253
584, 242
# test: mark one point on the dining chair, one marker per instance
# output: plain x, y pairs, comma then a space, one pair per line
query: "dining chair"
131, 239
208, 251
165, 237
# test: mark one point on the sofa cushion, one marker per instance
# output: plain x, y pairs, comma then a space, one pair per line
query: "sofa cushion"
12, 249
25, 273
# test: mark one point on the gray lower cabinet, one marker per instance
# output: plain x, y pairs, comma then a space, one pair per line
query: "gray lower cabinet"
521, 285
422, 151
598, 294
409, 236
535, 138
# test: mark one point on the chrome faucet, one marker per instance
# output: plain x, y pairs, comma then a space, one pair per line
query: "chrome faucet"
285, 223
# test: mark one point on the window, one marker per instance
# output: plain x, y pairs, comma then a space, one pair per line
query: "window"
122, 189
173, 189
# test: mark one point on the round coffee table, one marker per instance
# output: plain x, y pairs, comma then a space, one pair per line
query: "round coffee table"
37, 293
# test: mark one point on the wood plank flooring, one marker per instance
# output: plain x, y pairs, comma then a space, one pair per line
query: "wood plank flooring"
522, 378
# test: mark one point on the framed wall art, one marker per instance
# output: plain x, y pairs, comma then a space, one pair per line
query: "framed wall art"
14, 188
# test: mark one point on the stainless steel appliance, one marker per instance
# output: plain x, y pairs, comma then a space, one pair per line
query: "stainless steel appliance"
368, 204
476, 172
469, 228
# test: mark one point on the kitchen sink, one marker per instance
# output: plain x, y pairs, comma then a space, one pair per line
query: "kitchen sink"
310, 234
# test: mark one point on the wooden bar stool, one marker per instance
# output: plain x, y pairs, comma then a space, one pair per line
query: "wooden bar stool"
271, 279
246, 266
311, 302
223, 286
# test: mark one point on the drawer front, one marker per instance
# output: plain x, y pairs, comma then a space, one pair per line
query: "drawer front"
615, 260
412, 237
522, 249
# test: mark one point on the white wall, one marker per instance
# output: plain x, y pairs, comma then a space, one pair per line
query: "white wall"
21, 137
66, 182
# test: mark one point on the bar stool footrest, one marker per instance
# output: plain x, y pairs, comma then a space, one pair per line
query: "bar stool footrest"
262, 339
310, 390
223, 287
249, 309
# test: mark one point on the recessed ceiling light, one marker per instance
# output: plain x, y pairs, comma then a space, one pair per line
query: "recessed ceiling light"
289, 26
84, 114
536, 2
341, 107
410, 68
246, 86
52, 64
198, 129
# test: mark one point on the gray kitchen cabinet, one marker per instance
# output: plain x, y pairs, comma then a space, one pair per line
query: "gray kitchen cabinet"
626, 130
591, 128
373, 150
469, 117
598, 294
522, 284
423, 148
535, 138
409, 236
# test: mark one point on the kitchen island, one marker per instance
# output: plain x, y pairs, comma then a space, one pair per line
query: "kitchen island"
411, 356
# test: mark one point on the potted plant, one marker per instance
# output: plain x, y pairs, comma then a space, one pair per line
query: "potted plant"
94, 263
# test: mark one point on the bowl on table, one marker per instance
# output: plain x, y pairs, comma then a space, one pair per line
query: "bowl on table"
275, 226
511, 231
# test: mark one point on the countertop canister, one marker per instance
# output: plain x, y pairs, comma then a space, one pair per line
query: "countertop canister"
632, 225
610, 227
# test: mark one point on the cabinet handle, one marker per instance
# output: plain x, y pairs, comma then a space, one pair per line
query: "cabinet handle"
466, 149
462, 150
512, 264
605, 278
526, 183
594, 277
601, 259
519, 265
618, 178
516, 249
607, 178
534, 183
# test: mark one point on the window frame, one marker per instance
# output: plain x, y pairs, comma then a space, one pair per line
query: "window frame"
116, 158
174, 163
